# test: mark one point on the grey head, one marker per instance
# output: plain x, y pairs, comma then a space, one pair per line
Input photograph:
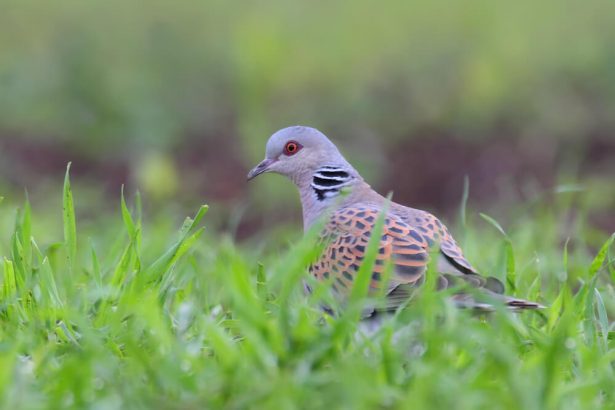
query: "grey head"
298, 152
307, 157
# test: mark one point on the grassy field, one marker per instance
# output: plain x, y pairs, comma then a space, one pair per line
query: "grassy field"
132, 315
109, 300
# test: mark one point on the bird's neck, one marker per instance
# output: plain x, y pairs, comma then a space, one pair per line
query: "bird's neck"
329, 181
324, 188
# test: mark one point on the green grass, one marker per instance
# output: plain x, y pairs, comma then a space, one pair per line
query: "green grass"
137, 317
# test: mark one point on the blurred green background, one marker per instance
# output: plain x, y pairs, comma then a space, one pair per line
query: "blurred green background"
177, 99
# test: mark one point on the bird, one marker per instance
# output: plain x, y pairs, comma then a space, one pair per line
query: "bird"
331, 188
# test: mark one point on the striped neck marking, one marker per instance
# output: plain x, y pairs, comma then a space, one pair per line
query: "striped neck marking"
329, 180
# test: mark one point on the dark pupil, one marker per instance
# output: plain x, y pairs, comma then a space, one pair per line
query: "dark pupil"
291, 147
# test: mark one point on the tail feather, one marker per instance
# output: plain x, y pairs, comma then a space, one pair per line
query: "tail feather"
467, 301
521, 304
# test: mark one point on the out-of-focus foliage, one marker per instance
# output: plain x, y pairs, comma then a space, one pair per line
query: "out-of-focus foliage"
179, 97
107, 72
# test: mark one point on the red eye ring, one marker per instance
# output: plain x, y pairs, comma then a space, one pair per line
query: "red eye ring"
291, 148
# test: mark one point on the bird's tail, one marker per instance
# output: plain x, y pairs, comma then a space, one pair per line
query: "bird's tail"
469, 302
521, 304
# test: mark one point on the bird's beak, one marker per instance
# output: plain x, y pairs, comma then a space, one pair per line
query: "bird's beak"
260, 168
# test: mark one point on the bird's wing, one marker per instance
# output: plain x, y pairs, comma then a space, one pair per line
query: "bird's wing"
348, 234
407, 248
434, 231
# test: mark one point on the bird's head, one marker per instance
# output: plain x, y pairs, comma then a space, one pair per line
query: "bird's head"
296, 152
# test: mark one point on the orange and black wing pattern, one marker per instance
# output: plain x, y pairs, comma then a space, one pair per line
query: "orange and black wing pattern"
405, 243
348, 234
434, 231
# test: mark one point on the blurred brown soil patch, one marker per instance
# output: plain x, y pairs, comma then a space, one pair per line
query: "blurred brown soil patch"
425, 172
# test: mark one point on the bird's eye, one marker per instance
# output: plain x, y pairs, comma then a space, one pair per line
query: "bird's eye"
291, 148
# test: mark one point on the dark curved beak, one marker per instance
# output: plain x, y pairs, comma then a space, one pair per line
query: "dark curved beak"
260, 168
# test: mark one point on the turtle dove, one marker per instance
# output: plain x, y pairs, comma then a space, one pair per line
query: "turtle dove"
329, 185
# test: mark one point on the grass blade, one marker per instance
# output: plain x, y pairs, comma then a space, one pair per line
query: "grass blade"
600, 257
70, 225
48, 285
464, 200
156, 270
128, 222
508, 251
95, 266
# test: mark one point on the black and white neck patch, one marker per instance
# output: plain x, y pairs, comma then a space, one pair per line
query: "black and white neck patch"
329, 180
